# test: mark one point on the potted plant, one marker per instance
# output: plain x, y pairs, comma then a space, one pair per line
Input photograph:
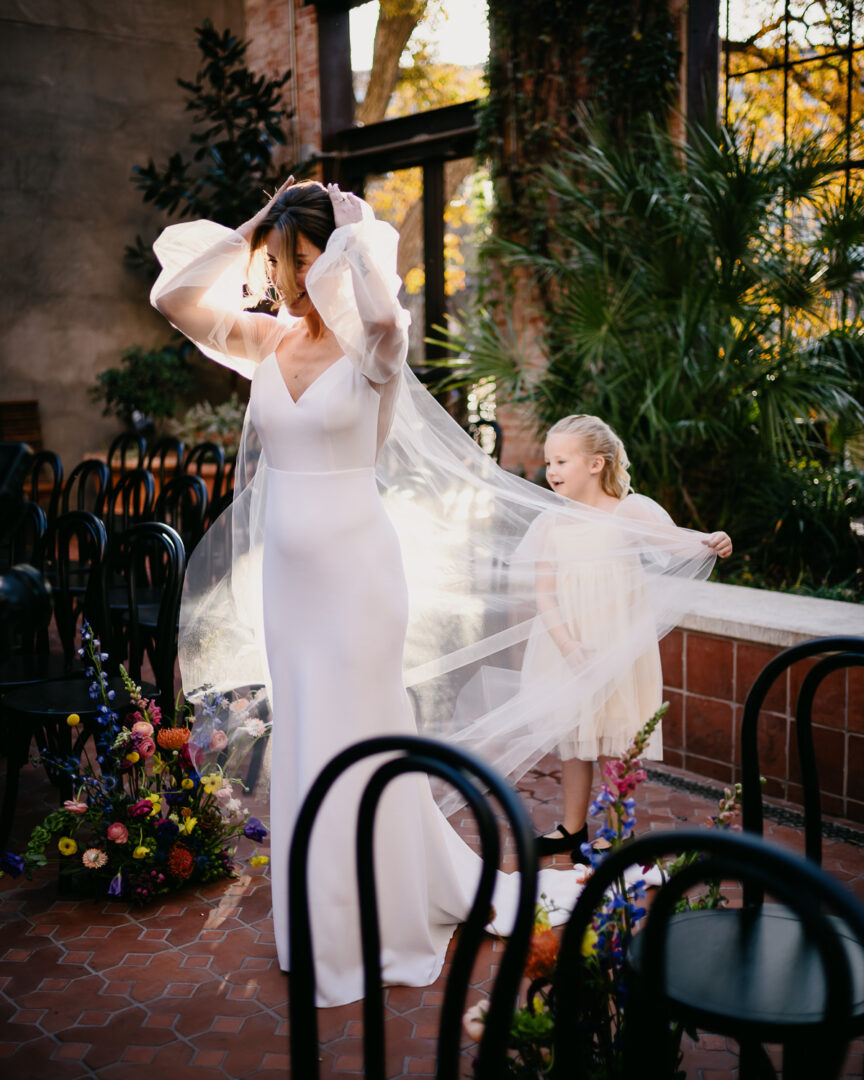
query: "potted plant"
145, 387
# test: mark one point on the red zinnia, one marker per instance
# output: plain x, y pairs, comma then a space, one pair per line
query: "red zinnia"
181, 861
542, 955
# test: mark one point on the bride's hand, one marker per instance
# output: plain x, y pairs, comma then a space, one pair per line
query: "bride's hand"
347, 208
248, 227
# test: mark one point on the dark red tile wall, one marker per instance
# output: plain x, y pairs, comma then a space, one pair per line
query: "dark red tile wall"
706, 680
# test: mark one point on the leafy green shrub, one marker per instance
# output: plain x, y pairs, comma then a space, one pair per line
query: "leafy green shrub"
150, 382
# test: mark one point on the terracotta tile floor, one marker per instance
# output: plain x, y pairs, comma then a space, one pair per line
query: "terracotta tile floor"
191, 986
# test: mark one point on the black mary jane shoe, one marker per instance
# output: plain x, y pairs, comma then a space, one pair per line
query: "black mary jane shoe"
566, 842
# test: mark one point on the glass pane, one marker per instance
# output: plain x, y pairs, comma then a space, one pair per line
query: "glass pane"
441, 64
397, 197
756, 103
857, 118
817, 98
757, 30
820, 25
468, 192
755, 33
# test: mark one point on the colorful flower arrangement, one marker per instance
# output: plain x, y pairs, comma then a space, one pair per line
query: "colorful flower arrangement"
532, 1029
147, 818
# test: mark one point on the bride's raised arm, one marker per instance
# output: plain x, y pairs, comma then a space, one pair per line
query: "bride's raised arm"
200, 290
354, 287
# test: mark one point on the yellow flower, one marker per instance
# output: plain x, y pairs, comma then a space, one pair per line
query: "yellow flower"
187, 784
188, 825
259, 860
157, 764
212, 783
66, 845
156, 800
141, 852
589, 942
541, 918
73, 719
133, 757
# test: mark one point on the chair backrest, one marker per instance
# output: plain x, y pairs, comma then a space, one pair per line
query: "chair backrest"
844, 651
82, 546
802, 888
127, 451
152, 558
46, 486
211, 456
182, 503
26, 543
128, 501
471, 777
85, 489
159, 454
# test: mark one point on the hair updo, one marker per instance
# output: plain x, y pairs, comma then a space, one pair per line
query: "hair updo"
599, 440
303, 208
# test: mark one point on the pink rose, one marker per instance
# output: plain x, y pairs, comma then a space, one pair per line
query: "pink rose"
118, 833
75, 807
218, 740
140, 808
474, 1020
142, 728
146, 747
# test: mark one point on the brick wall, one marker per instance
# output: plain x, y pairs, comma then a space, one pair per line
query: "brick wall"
706, 679
269, 29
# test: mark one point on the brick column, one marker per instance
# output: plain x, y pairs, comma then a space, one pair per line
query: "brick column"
276, 43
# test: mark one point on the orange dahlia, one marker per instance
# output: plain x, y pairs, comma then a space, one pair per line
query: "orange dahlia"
542, 955
181, 861
173, 738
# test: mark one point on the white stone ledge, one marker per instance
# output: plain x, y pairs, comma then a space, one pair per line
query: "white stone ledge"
770, 618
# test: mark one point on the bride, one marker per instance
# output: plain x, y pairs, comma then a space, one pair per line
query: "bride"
349, 475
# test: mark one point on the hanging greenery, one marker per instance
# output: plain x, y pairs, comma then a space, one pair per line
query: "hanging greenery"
549, 56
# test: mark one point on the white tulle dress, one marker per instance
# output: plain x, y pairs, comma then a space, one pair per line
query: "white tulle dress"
310, 560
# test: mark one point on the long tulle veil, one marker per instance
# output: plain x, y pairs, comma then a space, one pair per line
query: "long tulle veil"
477, 667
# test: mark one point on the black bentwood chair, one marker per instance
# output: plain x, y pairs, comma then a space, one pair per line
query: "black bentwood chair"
153, 564
182, 503
794, 981
126, 443
470, 776
85, 489
158, 455
843, 652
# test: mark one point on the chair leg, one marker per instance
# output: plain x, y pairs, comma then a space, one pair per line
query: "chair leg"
754, 1062
17, 756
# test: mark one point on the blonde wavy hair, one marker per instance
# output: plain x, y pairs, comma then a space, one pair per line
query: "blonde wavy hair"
599, 440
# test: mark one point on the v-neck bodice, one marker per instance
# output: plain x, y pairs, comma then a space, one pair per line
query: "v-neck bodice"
332, 426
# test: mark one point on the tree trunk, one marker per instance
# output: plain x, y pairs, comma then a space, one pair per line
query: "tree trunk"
397, 20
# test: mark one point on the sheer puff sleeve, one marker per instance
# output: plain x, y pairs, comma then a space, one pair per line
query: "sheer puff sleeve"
200, 292
354, 287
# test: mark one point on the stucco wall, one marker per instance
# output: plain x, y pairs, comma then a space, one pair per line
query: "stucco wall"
87, 90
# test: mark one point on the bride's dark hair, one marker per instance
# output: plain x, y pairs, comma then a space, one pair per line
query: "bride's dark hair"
304, 208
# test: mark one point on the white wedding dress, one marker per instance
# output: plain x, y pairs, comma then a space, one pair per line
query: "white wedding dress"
301, 587
335, 614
